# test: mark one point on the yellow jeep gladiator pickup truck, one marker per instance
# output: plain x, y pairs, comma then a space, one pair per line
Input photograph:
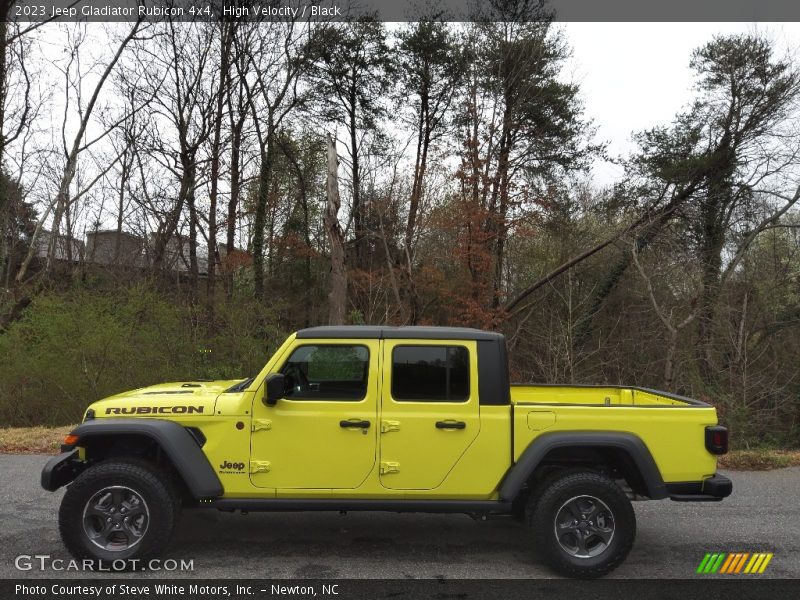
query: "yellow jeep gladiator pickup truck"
391, 419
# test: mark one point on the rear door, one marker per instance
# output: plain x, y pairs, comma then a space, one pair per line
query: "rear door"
429, 410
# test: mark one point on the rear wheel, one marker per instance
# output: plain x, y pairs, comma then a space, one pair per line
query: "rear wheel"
118, 510
583, 524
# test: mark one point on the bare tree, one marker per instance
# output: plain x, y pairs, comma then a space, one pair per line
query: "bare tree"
666, 316
15, 114
351, 72
276, 63
747, 96
178, 65
431, 70
238, 104
71, 154
227, 31
522, 128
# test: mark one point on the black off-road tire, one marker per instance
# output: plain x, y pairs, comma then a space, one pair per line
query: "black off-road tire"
537, 489
523, 505
559, 495
135, 477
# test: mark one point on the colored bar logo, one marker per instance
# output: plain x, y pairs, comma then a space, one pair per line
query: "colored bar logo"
734, 563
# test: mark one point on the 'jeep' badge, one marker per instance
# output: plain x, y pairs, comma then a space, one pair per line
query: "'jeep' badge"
231, 467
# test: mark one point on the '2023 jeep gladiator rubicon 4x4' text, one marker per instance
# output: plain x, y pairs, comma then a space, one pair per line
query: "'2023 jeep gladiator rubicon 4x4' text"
391, 419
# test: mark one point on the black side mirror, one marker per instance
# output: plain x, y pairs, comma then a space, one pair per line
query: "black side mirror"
276, 388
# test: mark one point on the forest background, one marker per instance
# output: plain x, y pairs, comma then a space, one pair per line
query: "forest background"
466, 193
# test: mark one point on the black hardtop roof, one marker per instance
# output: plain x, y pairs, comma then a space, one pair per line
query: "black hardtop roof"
384, 332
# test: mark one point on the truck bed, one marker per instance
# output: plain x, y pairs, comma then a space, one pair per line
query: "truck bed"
595, 395
671, 426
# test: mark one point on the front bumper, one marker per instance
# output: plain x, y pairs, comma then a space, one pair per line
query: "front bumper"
713, 489
60, 470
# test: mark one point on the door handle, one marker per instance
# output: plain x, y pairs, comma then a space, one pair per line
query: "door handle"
451, 425
354, 423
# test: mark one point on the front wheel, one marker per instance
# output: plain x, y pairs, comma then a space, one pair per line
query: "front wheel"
118, 512
584, 524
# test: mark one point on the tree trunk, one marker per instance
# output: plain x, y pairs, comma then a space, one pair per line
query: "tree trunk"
711, 256
5, 251
165, 232
420, 168
121, 208
233, 202
259, 222
302, 199
224, 70
498, 212
193, 267
665, 212
5, 7
713, 228
337, 295
358, 209
669, 360
5, 254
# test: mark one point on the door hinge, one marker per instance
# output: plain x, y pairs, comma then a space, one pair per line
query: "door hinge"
390, 467
261, 424
259, 466
390, 426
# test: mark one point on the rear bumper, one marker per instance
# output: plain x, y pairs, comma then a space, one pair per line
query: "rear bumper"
60, 470
713, 489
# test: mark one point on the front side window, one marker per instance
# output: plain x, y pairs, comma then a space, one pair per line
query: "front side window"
327, 372
430, 373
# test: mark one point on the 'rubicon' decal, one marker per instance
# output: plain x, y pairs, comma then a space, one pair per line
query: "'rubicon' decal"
153, 410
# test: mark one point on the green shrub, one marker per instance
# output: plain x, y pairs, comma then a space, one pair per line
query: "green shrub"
70, 349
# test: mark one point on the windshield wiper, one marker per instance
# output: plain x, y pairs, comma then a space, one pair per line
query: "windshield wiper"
241, 386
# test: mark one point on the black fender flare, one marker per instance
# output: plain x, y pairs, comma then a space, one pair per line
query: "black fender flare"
173, 438
632, 445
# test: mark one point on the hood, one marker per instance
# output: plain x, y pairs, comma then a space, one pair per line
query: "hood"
194, 398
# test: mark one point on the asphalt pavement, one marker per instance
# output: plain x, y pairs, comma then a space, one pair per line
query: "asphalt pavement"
762, 515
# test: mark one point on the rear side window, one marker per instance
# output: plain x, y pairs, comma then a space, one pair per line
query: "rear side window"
327, 372
430, 373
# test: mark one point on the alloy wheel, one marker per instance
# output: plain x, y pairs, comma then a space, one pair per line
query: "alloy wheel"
116, 518
584, 526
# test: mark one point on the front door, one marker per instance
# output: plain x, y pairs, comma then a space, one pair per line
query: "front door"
429, 412
322, 434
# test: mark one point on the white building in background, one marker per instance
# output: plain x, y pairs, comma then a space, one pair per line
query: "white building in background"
115, 248
66, 248
123, 249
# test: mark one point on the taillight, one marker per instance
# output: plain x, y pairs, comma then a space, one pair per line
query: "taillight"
717, 439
